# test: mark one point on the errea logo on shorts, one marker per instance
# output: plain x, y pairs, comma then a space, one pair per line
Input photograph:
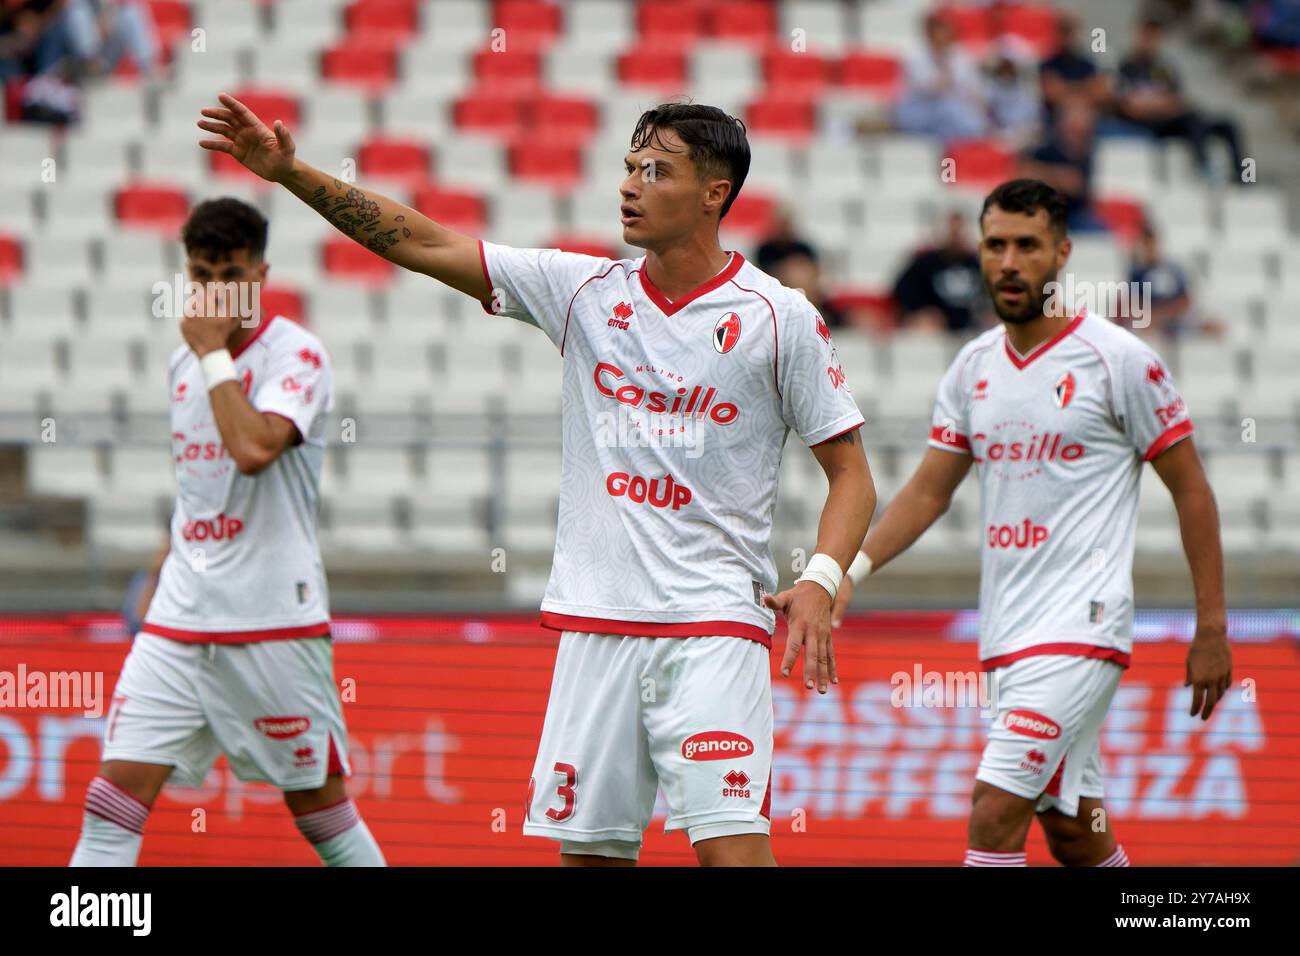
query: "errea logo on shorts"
1032, 725
282, 728
716, 745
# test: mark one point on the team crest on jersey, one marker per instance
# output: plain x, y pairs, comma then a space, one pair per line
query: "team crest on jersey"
727, 332
1064, 389
823, 329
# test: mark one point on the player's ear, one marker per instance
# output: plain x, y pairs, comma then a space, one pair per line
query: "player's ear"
716, 196
1063, 249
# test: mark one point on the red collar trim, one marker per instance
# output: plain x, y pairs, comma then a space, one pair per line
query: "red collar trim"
256, 335
1020, 362
670, 308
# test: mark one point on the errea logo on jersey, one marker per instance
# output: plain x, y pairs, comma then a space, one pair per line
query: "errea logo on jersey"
716, 745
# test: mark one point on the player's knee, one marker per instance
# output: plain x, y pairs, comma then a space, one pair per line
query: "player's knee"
305, 801
997, 818
1084, 848
735, 851
141, 781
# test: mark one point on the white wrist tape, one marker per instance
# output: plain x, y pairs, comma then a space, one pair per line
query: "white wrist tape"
826, 571
860, 568
218, 367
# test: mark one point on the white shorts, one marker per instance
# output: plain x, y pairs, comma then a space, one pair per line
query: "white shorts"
271, 707
630, 714
1045, 739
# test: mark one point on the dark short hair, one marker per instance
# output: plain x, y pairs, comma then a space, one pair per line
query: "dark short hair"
222, 226
1028, 196
716, 140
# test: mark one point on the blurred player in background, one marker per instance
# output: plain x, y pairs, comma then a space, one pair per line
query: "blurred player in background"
1059, 411
658, 537
234, 653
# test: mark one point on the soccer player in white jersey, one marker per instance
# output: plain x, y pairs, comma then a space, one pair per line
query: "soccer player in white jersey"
1059, 409
234, 654
683, 372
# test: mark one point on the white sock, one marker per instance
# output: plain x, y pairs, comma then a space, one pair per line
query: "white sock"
339, 836
993, 858
1118, 858
112, 827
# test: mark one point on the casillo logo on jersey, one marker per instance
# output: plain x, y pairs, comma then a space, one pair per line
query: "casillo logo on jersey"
1032, 724
201, 451
726, 333
636, 488
619, 316
716, 745
220, 528
1063, 390
699, 404
282, 728
1041, 446
1019, 536
1168, 413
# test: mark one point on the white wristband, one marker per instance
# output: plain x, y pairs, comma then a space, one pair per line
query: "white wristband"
218, 367
860, 568
826, 571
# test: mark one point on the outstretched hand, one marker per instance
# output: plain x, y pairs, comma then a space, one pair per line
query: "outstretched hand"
807, 610
266, 151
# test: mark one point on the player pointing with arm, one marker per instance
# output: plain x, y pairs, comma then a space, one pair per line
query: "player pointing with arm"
1058, 410
663, 571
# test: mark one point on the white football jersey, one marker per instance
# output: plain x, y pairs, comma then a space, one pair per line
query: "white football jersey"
244, 563
1059, 438
674, 417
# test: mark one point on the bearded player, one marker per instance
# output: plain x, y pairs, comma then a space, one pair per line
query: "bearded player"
1059, 410
662, 574
234, 654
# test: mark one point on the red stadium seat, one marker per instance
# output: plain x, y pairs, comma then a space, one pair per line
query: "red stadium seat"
454, 208
285, 301
346, 260
171, 20
747, 21
489, 113
11, 260
782, 116
1123, 217
671, 24
516, 71
558, 166
402, 159
804, 74
750, 215
661, 69
584, 246
974, 26
271, 105
387, 23
529, 24
873, 73
981, 163
373, 68
155, 206
1035, 25
563, 118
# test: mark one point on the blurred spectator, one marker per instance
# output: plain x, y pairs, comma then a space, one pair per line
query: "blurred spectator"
1149, 95
1015, 110
28, 36
783, 241
1165, 293
801, 271
1070, 72
99, 33
941, 87
941, 289
1064, 161
1276, 23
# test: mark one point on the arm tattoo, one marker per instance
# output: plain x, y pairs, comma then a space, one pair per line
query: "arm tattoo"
357, 216
848, 438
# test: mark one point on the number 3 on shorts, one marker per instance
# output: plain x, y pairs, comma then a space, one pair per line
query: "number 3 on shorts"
565, 790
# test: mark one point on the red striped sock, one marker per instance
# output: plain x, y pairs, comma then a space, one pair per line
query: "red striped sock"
328, 822
112, 803
992, 858
1118, 858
